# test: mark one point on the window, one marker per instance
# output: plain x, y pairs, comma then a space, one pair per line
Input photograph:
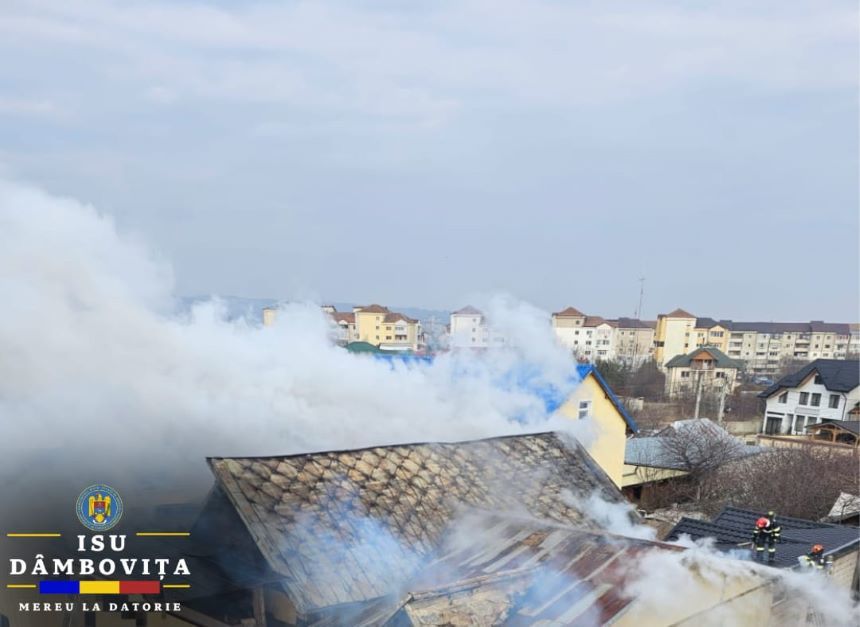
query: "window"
783, 398
720, 375
798, 425
816, 400
818, 378
685, 374
834, 401
584, 407
387, 337
804, 398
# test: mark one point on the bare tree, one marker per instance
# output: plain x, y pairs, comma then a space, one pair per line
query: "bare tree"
699, 448
803, 482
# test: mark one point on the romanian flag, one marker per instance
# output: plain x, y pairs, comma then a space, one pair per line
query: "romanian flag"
99, 587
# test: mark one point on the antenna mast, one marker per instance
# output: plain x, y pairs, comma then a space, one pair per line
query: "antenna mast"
641, 297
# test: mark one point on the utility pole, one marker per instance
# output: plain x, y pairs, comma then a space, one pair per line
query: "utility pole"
722, 408
698, 395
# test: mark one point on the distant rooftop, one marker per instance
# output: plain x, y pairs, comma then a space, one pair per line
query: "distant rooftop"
732, 530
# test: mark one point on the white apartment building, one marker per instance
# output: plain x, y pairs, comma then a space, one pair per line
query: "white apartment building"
826, 389
469, 329
590, 338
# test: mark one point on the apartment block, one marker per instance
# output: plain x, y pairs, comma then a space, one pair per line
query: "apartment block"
469, 329
764, 347
590, 338
374, 324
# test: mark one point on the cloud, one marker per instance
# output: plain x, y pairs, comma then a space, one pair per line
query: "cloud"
429, 63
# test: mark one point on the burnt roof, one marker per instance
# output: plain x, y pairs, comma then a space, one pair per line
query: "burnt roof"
532, 573
345, 526
837, 375
733, 528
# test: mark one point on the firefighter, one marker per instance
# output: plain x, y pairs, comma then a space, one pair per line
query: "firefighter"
815, 559
777, 530
763, 538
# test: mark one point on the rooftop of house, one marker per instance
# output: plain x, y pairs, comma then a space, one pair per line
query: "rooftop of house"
468, 310
678, 313
596, 321
343, 527
721, 360
569, 312
852, 426
846, 506
529, 573
633, 323
733, 527
837, 375
398, 317
657, 451
343, 317
371, 309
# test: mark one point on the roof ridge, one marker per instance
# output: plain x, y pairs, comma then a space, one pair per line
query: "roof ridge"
375, 446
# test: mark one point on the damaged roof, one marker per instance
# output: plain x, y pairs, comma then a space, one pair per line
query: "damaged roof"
343, 527
493, 569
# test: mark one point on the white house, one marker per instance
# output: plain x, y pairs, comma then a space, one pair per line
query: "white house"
826, 389
469, 329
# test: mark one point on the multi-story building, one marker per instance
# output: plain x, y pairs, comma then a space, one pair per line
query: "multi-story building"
469, 329
764, 347
634, 340
825, 390
672, 336
591, 338
389, 330
374, 324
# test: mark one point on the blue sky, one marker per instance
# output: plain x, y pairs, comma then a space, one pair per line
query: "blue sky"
553, 150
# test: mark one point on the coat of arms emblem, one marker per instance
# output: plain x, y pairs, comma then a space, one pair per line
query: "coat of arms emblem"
99, 507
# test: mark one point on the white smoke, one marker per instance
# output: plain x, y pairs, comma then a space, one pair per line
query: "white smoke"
95, 367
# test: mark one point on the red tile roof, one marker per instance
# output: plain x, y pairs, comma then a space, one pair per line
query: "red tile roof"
679, 313
373, 309
594, 321
341, 316
571, 312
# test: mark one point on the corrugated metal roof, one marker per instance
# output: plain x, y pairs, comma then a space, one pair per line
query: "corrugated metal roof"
349, 526
516, 571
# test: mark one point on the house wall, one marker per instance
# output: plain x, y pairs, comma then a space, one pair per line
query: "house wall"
672, 337
633, 475
683, 379
472, 331
610, 428
787, 412
715, 336
365, 327
733, 600
633, 345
